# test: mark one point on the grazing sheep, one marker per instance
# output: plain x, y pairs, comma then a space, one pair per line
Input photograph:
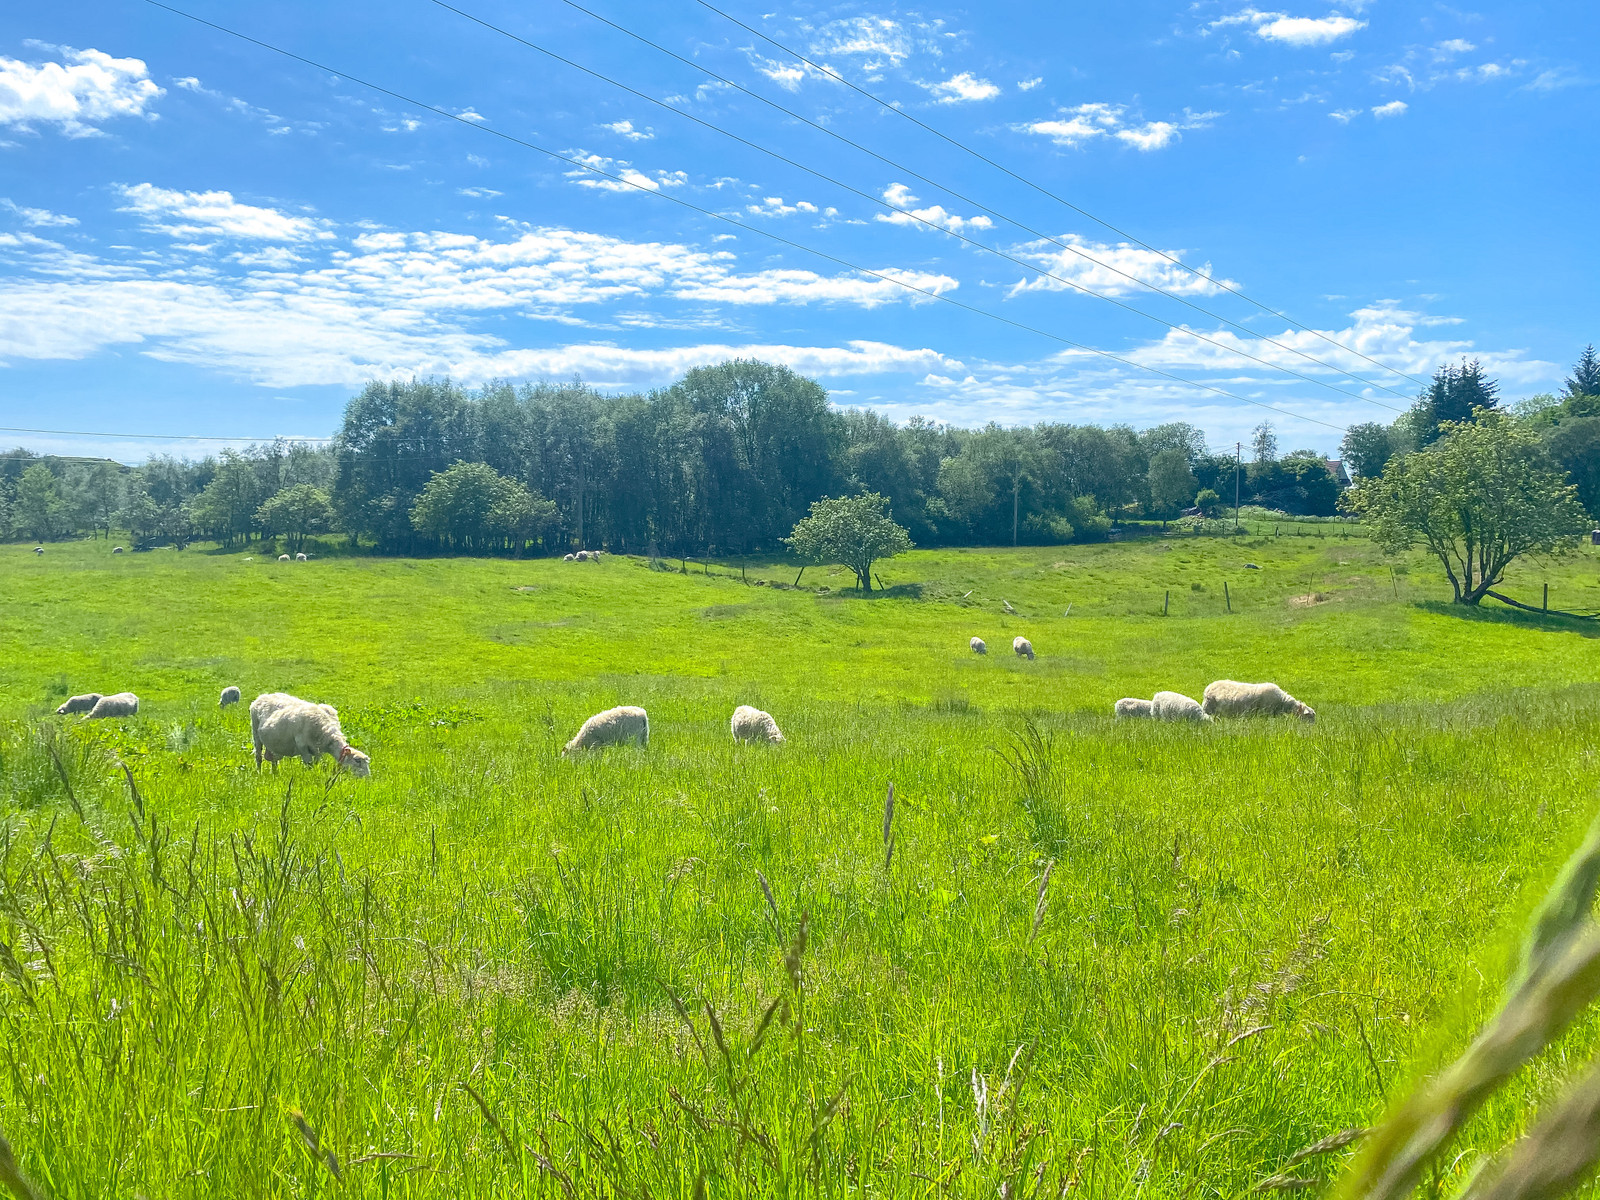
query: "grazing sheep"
1175, 706
753, 725
38, 549
566, 558
123, 704
1130, 707
581, 556
282, 726
979, 646
1229, 698
230, 695
612, 727
79, 704
301, 557
283, 558
1023, 648
116, 549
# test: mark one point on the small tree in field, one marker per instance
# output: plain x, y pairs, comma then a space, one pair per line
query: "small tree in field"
853, 530
1480, 497
296, 512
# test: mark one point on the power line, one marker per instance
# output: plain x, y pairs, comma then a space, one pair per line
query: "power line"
1043, 191
944, 187
934, 225
485, 128
163, 437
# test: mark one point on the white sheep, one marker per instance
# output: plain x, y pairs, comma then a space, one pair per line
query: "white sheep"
1130, 707
301, 557
123, 704
116, 549
283, 558
79, 704
566, 558
1229, 698
753, 725
230, 695
282, 726
38, 549
612, 727
979, 646
1023, 648
1175, 706
581, 556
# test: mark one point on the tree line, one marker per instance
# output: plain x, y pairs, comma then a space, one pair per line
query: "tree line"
727, 460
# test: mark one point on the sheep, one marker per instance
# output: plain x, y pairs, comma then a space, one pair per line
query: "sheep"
979, 646
581, 556
283, 558
79, 704
753, 725
116, 549
38, 549
230, 695
612, 727
1129, 707
566, 558
123, 704
1229, 698
1175, 706
282, 726
1023, 648
301, 557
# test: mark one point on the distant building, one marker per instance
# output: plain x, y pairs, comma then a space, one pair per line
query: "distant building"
1336, 469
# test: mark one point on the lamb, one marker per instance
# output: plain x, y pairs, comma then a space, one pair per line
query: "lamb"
1023, 648
230, 695
1229, 698
282, 726
1129, 707
283, 558
979, 646
123, 704
301, 557
1175, 706
753, 725
116, 550
610, 728
79, 704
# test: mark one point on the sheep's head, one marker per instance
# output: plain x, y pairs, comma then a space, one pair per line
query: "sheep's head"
357, 763
1307, 713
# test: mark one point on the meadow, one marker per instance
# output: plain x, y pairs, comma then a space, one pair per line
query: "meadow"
1115, 959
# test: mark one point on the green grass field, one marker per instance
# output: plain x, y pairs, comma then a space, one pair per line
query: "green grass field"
488, 971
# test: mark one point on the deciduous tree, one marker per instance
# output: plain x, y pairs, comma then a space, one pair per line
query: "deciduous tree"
855, 531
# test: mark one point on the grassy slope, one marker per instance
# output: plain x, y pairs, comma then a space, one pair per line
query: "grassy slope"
483, 911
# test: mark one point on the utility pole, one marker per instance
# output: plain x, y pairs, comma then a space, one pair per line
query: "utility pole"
1238, 460
1016, 500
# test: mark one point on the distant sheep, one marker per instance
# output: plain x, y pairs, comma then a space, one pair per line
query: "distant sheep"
1175, 706
581, 556
612, 727
1229, 698
38, 549
123, 704
301, 557
1130, 707
284, 726
116, 549
1023, 648
283, 558
979, 646
753, 725
230, 695
79, 704
566, 558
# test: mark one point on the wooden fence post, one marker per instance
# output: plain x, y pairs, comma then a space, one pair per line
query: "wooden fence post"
1166, 601
1226, 599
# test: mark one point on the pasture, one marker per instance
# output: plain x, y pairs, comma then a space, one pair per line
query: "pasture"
704, 969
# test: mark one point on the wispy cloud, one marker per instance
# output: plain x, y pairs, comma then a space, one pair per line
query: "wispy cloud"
1027, 85
626, 129
36, 217
214, 214
77, 95
1089, 122
962, 88
478, 193
1112, 269
900, 196
628, 178
1292, 31
1392, 109
773, 206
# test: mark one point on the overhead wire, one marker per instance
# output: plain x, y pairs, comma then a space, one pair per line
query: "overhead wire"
947, 230
1044, 191
164, 437
485, 128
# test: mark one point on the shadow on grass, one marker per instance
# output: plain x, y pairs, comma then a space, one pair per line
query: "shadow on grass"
899, 591
1500, 615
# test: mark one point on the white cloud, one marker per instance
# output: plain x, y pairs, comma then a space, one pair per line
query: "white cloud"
1106, 268
479, 193
899, 195
787, 75
1293, 31
626, 129
36, 217
390, 303
962, 88
1027, 85
188, 82
1453, 47
773, 206
628, 178
203, 214
1345, 115
93, 87
470, 114
1392, 109
1086, 122
880, 39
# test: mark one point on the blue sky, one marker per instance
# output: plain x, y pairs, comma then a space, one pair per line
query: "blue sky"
200, 236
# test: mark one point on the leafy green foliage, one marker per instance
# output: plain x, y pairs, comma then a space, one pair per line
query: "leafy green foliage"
856, 531
296, 513
473, 507
1172, 483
